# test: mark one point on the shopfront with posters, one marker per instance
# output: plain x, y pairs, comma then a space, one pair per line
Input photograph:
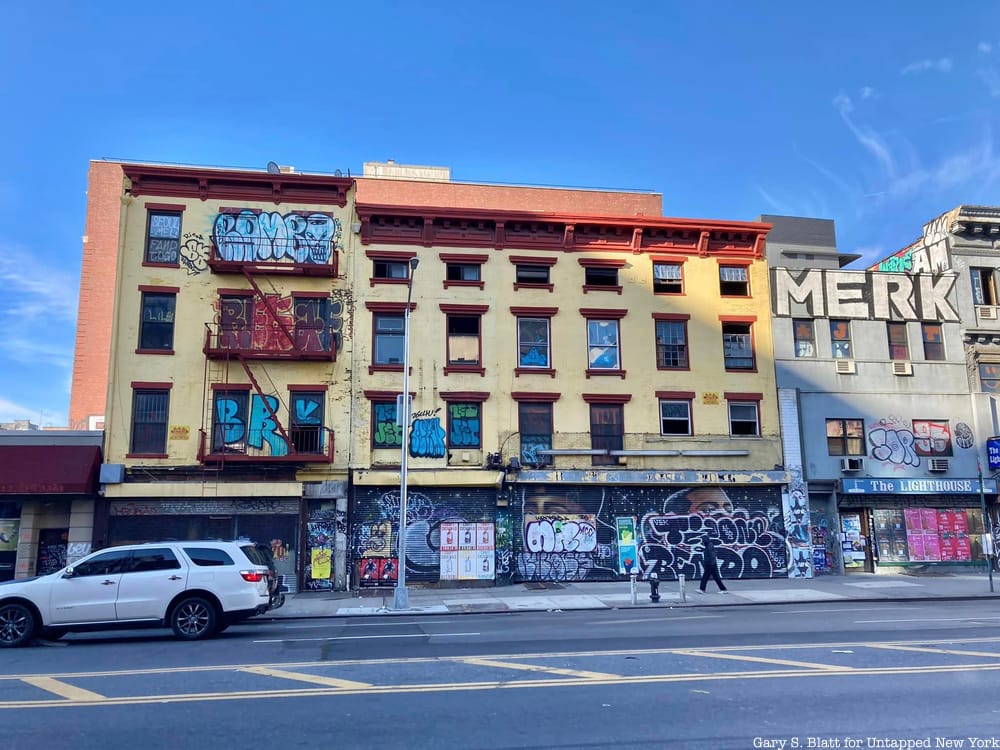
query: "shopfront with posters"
893, 523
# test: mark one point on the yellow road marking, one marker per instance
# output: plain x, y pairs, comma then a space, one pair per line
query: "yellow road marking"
925, 650
761, 659
540, 668
69, 692
311, 678
468, 686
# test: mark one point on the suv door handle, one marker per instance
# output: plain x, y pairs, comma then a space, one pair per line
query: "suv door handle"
174, 578
108, 583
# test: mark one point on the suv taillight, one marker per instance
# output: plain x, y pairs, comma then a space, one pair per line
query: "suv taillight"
253, 576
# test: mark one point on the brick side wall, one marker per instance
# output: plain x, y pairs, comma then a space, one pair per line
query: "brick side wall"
97, 287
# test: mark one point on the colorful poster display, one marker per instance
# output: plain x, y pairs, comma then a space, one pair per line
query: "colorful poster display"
628, 551
468, 551
8, 534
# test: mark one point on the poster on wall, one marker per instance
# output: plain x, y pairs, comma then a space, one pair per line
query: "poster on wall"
8, 534
628, 552
449, 551
468, 551
485, 551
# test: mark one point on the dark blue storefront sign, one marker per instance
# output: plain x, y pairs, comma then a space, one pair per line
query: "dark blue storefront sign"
916, 486
993, 452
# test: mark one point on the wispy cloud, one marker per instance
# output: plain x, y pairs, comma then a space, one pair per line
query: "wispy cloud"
867, 92
867, 137
34, 291
941, 65
985, 47
11, 411
991, 78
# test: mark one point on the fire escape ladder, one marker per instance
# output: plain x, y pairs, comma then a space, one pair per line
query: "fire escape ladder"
267, 403
269, 306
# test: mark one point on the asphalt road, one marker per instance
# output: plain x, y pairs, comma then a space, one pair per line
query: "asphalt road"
916, 674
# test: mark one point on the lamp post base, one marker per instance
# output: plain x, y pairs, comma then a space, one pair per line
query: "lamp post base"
401, 598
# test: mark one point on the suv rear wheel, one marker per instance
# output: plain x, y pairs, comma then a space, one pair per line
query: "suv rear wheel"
17, 625
193, 618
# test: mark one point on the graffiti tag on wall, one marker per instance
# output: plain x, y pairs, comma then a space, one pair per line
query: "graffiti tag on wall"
560, 533
269, 236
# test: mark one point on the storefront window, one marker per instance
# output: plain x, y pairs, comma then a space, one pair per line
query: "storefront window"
905, 535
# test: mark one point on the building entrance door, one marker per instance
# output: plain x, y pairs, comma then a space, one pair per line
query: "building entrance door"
855, 542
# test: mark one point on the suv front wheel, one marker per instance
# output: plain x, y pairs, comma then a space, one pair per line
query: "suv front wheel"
193, 618
17, 625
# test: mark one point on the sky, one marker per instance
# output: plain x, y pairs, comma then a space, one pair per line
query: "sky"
880, 116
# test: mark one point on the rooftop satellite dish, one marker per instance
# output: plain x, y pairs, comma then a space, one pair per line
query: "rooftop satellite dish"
273, 168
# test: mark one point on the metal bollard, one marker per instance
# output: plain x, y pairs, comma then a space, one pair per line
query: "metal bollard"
680, 588
631, 586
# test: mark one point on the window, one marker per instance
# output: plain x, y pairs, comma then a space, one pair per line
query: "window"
386, 432
984, 287
737, 346
463, 340
743, 419
840, 339
531, 274
805, 338
231, 416
163, 238
313, 330
607, 431
104, 564
156, 331
152, 559
533, 346
306, 421
671, 345
845, 437
602, 345
933, 341
149, 421
390, 269
734, 281
898, 346
208, 557
535, 432
932, 437
675, 417
388, 339
463, 272
989, 377
235, 322
464, 425
668, 278
593, 276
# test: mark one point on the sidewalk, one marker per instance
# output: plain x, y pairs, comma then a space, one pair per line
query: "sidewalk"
616, 595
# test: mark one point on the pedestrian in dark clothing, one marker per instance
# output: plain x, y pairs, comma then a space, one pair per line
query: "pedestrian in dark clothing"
710, 563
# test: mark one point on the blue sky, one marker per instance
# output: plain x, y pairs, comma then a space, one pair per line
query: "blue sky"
878, 115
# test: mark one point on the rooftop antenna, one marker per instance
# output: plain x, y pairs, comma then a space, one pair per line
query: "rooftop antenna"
273, 168
338, 173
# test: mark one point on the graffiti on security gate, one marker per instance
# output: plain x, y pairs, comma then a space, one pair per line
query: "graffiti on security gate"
560, 533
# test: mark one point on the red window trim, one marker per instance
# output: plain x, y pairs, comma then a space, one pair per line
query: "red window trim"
389, 307
521, 285
739, 396
147, 455
470, 396
682, 259
473, 369
235, 292
601, 262
606, 398
737, 318
385, 395
256, 211
172, 207
542, 398
160, 289
744, 262
401, 255
594, 288
675, 317
152, 386
307, 388
472, 260
677, 395
597, 313
528, 260
519, 371
533, 312
597, 373
445, 283
231, 387
156, 351
464, 310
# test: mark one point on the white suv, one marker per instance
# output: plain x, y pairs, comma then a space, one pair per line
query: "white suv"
196, 588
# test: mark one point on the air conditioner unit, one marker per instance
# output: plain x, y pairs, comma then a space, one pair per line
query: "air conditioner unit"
900, 367
846, 367
987, 313
938, 464
852, 463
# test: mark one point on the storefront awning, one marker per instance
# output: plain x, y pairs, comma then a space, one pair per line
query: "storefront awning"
49, 469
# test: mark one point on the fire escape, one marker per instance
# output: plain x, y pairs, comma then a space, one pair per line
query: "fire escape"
273, 333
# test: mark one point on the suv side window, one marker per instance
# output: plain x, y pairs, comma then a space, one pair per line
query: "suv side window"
105, 564
159, 558
256, 555
208, 556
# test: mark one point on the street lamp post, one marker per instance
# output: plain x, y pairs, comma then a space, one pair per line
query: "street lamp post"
987, 522
401, 598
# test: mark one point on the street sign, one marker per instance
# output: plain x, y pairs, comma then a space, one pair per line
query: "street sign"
993, 452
